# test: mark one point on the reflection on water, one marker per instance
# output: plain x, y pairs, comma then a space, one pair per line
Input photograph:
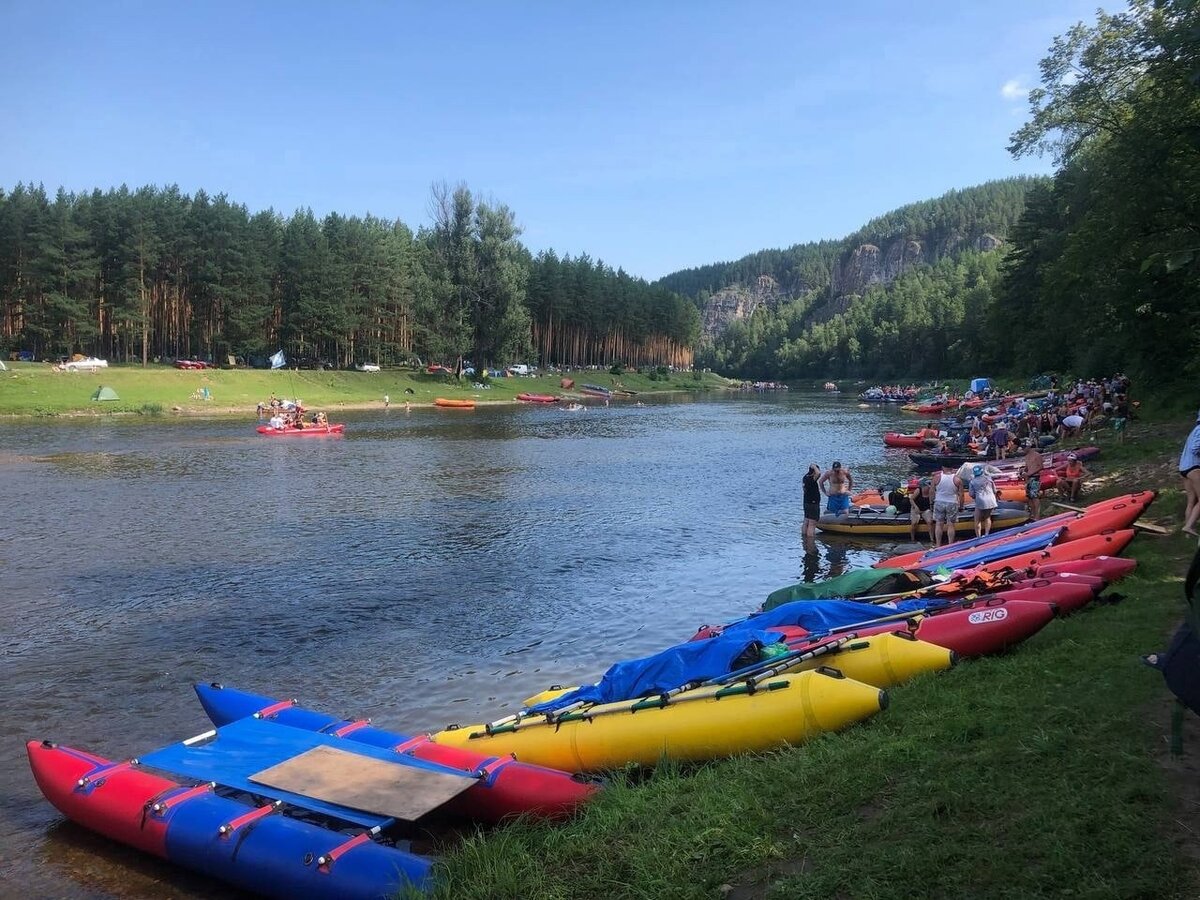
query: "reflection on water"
428, 567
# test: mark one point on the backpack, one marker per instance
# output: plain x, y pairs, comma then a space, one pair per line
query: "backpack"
1180, 664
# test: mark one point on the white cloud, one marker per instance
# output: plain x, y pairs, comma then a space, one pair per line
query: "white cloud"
1013, 89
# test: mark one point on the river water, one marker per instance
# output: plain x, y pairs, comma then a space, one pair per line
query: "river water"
426, 568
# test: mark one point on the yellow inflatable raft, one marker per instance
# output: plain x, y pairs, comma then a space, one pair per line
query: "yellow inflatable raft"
874, 521
700, 724
886, 660
880, 660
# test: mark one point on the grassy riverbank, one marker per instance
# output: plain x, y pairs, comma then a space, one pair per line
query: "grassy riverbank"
1041, 772
35, 389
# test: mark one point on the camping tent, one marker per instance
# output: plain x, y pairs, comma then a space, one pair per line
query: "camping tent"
981, 385
105, 393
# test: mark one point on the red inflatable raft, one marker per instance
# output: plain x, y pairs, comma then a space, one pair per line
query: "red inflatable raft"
306, 431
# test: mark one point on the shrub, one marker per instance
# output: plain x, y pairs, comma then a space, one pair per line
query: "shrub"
617, 369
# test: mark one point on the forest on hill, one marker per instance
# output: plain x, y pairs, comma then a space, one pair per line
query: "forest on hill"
135, 275
1099, 265
989, 208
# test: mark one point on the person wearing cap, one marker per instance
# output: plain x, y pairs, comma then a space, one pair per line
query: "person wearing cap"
837, 484
967, 471
812, 500
921, 507
1073, 477
945, 487
983, 492
1189, 468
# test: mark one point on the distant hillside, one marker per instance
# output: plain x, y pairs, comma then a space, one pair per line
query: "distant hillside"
828, 275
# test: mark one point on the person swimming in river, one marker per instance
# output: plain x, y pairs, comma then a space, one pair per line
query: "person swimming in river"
837, 484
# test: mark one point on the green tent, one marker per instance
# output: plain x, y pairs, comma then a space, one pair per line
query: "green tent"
105, 393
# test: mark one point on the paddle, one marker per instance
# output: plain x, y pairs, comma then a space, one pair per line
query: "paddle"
1153, 529
751, 675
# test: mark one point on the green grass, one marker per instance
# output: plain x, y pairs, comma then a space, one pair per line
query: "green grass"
1037, 773
34, 389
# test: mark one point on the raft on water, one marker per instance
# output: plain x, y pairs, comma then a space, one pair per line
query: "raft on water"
306, 431
872, 521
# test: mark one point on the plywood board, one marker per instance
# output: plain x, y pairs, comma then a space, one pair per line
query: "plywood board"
360, 782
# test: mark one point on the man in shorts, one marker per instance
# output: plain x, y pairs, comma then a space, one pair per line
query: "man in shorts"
1034, 463
921, 509
945, 487
837, 483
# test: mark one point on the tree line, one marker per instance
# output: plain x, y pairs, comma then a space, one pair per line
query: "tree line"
1100, 270
1104, 270
154, 273
929, 321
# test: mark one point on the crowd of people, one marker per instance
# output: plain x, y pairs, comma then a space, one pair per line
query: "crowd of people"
1017, 428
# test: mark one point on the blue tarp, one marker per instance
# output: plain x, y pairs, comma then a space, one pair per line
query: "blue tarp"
248, 746
822, 616
672, 668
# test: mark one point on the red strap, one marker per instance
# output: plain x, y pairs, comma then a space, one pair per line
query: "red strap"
352, 726
274, 708
163, 805
411, 744
96, 775
230, 827
498, 763
331, 857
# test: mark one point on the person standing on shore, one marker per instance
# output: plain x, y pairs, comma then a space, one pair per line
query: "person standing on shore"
1189, 468
1034, 463
946, 487
387, 401
983, 492
840, 483
812, 499
921, 509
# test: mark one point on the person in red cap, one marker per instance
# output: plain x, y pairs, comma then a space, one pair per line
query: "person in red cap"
922, 506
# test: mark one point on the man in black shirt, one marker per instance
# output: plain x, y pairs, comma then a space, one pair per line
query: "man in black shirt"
812, 500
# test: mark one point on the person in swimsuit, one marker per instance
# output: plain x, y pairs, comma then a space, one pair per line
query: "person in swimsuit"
837, 484
812, 499
1189, 468
1034, 463
1073, 477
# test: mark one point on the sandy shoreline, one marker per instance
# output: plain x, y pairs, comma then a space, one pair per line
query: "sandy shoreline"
223, 411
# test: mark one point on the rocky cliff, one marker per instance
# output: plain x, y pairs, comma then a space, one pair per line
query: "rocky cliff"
869, 264
856, 269
739, 302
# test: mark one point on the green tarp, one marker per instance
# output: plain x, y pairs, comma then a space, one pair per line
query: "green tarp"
856, 583
105, 393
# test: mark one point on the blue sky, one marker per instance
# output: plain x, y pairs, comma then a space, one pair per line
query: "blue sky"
652, 135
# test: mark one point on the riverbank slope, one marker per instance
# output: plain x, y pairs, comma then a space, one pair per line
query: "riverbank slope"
1041, 772
35, 389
